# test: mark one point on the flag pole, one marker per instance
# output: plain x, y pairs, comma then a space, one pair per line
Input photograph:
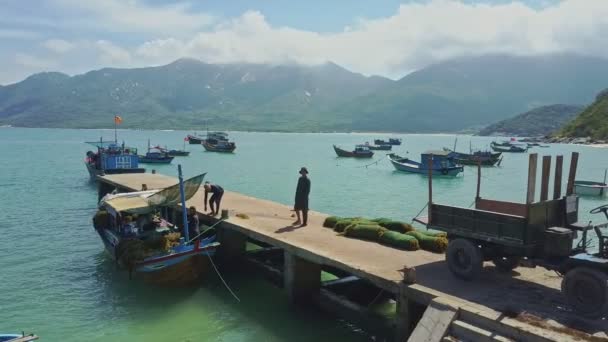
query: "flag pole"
115, 134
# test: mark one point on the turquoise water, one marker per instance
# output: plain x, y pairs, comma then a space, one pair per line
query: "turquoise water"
58, 283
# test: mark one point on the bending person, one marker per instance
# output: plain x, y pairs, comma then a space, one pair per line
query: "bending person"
216, 197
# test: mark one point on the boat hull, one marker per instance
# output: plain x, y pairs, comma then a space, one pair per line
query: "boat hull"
411, 166
510, 148
588, 188
214, 148
350, 154
192, 140
380, 147
94, 172
182, 266
165, 160
179, 153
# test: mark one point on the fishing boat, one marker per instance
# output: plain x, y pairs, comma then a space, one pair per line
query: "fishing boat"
360, 151
142, 240
508, 146
155, 155
441, 164
194, 139
222, 146
591, 188
385, 147
484, 158
111, 158
391, 141
173, 153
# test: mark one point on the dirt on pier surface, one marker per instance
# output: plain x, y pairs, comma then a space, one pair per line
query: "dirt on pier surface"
534, 291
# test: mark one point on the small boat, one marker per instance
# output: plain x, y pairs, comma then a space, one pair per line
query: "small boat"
156, 155
112, 158
222, 146
385, 147
194, 139
144, 242
591, 188
442, 164
508, 146
174, 153
17, 337
391, 141
485, 158
360, 151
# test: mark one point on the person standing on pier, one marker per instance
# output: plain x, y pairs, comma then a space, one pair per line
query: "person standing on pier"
301, 202
216, 197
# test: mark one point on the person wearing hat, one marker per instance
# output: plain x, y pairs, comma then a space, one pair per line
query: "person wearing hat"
301, 202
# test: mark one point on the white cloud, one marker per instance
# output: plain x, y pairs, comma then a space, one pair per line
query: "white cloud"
32, 62
58, 45
136, 16
420, 33
112, 55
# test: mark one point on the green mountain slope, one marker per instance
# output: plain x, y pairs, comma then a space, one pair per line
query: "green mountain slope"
540, 121
449, 96
592, 122
478, 91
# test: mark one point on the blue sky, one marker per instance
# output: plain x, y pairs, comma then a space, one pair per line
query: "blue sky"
385, 37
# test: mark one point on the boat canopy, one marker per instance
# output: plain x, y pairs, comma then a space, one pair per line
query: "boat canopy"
142, 202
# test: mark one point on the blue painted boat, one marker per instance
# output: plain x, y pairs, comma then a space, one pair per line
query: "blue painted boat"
155, 155
112, 158
137, 234
442, 164
17, 337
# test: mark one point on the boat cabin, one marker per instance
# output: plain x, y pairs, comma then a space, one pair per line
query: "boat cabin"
440, 159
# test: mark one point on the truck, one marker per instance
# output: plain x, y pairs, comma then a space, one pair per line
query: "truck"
535, 233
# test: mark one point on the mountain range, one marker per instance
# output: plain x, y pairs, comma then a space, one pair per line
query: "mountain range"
541, 121
450, 96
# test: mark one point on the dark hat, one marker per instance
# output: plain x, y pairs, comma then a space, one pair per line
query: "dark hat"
304, 170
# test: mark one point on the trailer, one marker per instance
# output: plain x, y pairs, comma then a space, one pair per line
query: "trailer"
535, 233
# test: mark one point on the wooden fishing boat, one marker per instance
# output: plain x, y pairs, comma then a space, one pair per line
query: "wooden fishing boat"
390, 141
144, 242
508, 146
194, 139
174, 153
222, 146
360, 151
385, 147
17, 337
485, 158
442, 164
112, 158
155, 155
591, 188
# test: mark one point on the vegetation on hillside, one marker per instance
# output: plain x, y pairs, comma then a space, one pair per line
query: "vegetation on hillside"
541, 121
592, 122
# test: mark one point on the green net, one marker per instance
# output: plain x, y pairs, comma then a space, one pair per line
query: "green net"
170, 196
364, 231
398, 240
437, 244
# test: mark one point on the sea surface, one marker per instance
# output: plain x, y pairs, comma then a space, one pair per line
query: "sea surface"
58, 283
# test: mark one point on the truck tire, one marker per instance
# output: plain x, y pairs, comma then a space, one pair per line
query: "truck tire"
506, 264
464, 258
586, 291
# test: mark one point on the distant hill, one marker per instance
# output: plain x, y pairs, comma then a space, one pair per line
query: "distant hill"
592, 122
541, 121
451, 96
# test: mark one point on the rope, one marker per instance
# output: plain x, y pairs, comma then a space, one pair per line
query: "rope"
374, 163
222, 278
375, 298
206, 230
420, 212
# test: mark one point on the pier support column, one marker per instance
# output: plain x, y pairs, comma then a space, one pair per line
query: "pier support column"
408, 314
232, 244
302, 278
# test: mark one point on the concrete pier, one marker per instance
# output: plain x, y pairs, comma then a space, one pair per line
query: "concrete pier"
486, 305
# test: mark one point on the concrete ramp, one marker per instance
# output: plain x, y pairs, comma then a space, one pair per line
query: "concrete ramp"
435, 323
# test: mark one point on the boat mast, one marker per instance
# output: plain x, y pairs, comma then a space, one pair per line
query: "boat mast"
182, 196
455, 141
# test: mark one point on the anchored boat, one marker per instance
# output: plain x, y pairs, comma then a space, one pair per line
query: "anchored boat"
156, 155
218, 142
112, 158
485, 158
440, 162
508, 146
194, 139
591, 188
390, 141
383, 147
360, 151
141, 239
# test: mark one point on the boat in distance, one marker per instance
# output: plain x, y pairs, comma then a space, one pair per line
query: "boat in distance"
441, 164
360, 151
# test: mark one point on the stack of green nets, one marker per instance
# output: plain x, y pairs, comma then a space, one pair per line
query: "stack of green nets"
388, 232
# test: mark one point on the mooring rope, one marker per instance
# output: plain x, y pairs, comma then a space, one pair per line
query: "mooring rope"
222, 279
420, 212
206, 230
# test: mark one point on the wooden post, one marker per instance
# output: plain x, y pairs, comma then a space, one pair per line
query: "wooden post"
430, 187
531, 178
478, 180
557, 182
572, 174
544, 181
302, 278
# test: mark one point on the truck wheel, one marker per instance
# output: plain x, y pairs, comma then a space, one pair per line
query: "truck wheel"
464, 259
586, 290
506, 264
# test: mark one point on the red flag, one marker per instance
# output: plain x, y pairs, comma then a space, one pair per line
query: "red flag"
186, 139
117, 119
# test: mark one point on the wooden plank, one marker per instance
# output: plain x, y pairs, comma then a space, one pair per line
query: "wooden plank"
572, 174
557, 182
531, 178
544, 181
430, 204
510, 208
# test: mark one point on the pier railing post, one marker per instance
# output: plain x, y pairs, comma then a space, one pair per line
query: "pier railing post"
302, 278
